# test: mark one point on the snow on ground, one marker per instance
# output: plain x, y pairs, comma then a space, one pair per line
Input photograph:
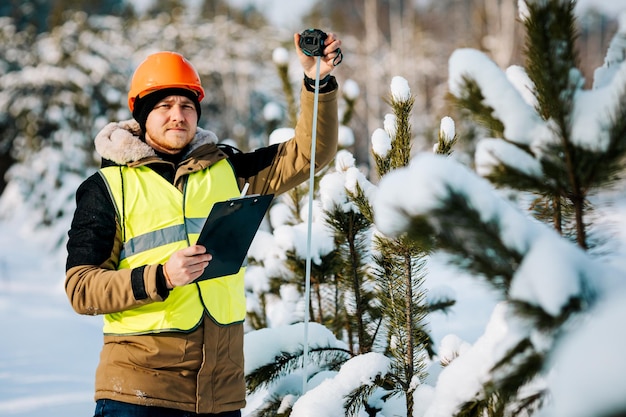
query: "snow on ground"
48, 353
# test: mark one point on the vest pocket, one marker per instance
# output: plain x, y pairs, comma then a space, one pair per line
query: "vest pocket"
235, 344
151, 353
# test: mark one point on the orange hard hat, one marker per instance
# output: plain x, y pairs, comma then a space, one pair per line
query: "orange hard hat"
163, 70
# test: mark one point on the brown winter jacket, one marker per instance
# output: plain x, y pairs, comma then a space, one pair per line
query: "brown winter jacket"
200, 371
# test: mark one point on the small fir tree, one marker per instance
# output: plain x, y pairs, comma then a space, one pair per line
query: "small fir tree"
572, 167
371, 295
399, 263
542, 145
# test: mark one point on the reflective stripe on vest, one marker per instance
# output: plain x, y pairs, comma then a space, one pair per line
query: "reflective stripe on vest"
157, 220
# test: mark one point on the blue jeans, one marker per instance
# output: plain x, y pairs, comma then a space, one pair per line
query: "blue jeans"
111, 408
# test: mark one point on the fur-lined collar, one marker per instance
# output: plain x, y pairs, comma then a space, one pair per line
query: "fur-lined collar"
120, 142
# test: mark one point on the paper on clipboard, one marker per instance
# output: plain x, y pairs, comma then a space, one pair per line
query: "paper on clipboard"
228, 233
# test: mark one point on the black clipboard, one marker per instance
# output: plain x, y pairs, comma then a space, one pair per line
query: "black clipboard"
228, 233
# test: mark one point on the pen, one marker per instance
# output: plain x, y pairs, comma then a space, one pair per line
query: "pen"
245, 189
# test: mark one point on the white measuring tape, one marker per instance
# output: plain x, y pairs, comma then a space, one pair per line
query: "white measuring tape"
307, 283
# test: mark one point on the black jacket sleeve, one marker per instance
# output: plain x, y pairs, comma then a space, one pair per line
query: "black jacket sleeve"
249, 164
92, 232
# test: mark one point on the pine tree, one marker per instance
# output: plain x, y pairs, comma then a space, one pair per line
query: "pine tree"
389, 293
399, 262
399, 268
542, 146
571, 171
574, 169
373, 282
50, 116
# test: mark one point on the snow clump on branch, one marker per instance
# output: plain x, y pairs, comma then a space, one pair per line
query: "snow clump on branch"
400, 90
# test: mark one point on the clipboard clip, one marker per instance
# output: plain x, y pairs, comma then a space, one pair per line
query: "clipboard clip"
253, 197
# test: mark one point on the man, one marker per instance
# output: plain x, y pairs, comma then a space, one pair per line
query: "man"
173, 347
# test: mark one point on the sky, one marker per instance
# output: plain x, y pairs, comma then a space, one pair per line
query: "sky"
279, 12
608, 6
282, 12
288, 14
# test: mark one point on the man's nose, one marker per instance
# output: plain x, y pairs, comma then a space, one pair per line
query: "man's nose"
177, 113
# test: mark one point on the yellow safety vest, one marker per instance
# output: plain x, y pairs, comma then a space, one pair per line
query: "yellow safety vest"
157, 220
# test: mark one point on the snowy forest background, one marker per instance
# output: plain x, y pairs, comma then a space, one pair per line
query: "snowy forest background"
468, 239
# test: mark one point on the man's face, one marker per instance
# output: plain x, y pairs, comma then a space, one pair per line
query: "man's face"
171, 125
